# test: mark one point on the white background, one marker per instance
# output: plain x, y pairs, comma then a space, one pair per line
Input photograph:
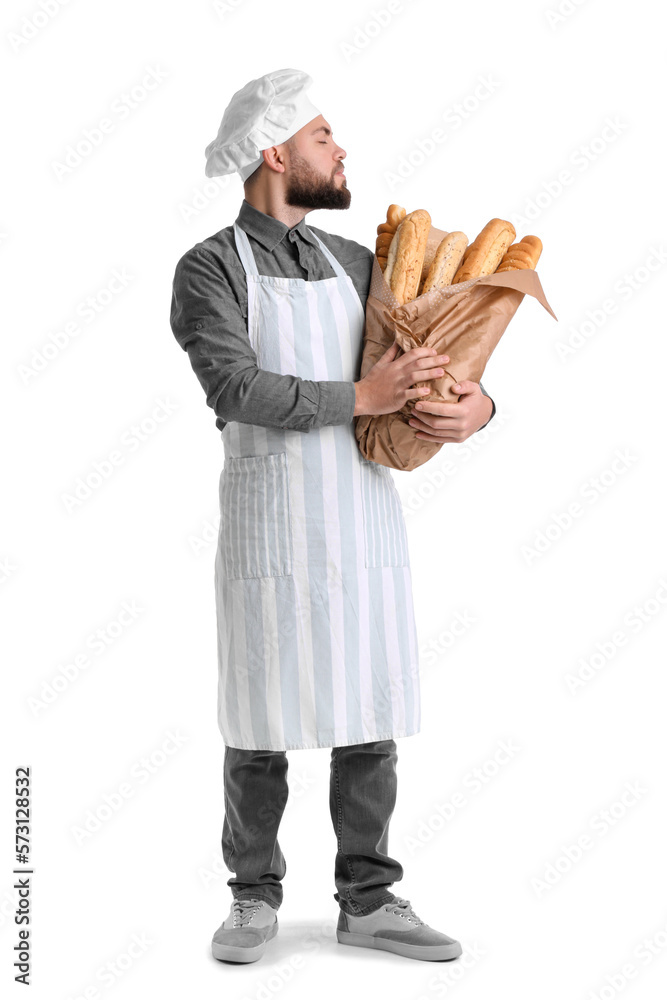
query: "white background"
495, 873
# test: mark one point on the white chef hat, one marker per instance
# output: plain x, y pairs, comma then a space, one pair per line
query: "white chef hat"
264, 113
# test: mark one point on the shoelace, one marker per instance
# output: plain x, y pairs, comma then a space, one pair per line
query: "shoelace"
244, 911
404, 909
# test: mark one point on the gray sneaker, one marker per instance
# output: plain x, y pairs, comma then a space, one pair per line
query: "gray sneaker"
396, 927
243, 935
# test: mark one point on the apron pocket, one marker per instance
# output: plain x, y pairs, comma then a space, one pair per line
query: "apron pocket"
385, 537
255, 518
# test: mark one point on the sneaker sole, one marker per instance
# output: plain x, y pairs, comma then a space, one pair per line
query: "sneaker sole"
237, 953
425, 953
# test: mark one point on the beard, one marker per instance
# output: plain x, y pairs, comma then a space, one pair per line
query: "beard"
308, 189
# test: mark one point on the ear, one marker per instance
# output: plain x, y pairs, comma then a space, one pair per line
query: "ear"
274, 158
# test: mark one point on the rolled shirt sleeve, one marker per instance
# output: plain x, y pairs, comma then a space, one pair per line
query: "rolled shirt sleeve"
207, 322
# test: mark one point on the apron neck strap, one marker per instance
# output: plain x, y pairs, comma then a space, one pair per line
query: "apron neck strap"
338, 269
245, 251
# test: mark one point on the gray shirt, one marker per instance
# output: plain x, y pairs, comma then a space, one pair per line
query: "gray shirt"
209, 318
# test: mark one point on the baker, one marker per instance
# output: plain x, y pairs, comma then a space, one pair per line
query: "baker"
316, 637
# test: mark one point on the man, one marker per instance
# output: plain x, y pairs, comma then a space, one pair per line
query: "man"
316, 636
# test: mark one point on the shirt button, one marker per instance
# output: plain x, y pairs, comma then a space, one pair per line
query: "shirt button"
198, 326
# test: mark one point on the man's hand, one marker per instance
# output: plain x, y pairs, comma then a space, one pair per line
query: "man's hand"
386, 388
441, 422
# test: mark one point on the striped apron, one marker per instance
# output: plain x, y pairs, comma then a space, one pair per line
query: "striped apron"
317, 643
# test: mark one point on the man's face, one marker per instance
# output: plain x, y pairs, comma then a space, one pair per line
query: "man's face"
314, 162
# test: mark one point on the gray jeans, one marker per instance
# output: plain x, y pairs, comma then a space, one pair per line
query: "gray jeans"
362, 796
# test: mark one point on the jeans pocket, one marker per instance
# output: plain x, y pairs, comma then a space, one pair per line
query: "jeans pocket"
385, 537
255, 537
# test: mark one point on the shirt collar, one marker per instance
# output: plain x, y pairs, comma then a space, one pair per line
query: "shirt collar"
267, 230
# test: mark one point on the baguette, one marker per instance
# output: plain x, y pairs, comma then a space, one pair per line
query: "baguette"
519, 256
513, 265
384, 240
406, 255
526, 253
446, 261
533, 241
486, 251
385, 233
426, 264
395, 215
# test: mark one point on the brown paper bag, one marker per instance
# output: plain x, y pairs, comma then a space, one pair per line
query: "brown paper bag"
465, 321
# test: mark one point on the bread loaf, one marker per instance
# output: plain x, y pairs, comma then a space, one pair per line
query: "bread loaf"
406, 255
384, 240
518, 254
395, 215
429, 255
524, 254
534, 241
385, 233
412, 267
486, 251
446, 261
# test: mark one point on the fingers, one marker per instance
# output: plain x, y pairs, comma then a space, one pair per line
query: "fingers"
465, 387
422, 374
389, 355
441, 438
426, 431
421, 370
424, 390
438, 411
425, 352
421, 359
